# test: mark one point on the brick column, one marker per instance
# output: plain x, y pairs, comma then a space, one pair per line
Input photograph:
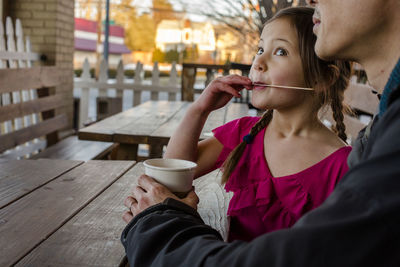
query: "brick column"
50, 26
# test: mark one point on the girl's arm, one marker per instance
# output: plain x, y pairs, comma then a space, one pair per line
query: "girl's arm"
184, 142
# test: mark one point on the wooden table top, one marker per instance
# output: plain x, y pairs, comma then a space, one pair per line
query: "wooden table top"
154, 122
69, 213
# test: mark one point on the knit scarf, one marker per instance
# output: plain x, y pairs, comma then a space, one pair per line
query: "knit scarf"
392, 84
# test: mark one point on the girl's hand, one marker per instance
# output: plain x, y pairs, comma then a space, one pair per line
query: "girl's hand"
220, 91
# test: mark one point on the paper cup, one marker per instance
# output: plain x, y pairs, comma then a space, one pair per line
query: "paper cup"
176, 174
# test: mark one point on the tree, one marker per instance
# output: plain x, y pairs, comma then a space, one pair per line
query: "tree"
158, 56
245, 17
162, 9
140, 30
171, 56
142, 33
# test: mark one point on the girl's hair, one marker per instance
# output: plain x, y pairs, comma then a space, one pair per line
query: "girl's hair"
328, 78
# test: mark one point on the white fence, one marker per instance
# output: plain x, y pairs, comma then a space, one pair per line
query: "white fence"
15, 52
103, 84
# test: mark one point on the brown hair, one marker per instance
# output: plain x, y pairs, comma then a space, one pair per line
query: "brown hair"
328, 78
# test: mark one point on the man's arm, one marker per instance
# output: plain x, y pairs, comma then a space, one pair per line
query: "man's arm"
358, 225
349, 229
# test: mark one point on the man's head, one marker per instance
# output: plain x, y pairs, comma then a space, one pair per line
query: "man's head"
351, 29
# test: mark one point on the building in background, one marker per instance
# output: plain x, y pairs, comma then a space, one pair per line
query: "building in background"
86, 43
199, 42
194, 41
229, 47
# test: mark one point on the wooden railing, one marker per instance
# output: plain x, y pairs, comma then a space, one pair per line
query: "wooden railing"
189, 72
103, 83
16, 90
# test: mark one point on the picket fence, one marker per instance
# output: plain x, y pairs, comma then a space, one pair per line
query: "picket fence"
15, 52
121, 83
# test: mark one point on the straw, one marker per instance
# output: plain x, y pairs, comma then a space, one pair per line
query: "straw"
283, 86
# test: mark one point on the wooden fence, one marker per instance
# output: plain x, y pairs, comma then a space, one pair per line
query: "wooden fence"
15, 53
103, 83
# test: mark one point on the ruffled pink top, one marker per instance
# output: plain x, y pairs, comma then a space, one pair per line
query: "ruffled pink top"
262, 203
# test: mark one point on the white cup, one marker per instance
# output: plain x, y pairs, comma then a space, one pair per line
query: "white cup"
176, 174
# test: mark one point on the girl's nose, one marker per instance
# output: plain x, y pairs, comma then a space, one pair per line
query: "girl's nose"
260, 66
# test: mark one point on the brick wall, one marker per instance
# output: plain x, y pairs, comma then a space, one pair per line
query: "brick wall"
50, 26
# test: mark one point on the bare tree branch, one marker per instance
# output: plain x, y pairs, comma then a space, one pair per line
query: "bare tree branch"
245, 17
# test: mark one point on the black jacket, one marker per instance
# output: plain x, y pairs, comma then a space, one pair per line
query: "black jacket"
358, 225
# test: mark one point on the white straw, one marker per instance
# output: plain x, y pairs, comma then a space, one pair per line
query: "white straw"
283, 86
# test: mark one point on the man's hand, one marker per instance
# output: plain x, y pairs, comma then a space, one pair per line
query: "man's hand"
149, 193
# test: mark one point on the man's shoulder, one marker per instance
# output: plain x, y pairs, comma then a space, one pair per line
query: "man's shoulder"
387, 129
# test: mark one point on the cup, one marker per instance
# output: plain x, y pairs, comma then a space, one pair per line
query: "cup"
175, 174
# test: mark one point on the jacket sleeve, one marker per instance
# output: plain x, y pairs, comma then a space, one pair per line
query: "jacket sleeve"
358, 225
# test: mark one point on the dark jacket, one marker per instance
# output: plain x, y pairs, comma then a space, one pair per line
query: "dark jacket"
358, 225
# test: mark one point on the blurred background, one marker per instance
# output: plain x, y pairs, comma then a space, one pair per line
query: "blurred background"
166, 31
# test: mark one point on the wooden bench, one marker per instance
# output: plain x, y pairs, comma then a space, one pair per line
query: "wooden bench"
22, 138
27, 109
363, 102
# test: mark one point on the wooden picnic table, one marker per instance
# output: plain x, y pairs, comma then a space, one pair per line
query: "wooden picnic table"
153, 123
69, 213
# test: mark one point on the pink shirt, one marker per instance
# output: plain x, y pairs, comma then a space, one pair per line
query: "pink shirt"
262, 203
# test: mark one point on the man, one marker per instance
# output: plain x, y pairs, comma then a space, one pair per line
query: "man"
358, 225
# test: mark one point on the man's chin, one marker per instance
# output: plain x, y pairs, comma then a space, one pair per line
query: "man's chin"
324, 53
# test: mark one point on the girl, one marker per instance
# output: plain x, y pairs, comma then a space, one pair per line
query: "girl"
287, 162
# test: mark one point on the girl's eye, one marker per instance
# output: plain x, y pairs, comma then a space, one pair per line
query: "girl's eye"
260, 51
281, 52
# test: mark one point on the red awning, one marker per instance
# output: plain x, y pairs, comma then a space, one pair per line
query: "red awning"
91, 26
90, 45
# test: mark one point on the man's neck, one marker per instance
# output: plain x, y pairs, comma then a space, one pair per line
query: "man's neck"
379, 70
379, 63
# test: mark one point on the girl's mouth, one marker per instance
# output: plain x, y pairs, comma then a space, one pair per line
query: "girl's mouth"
317, 21
259, 86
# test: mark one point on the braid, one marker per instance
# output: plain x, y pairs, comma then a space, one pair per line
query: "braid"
234, 157
337, 112
336, 97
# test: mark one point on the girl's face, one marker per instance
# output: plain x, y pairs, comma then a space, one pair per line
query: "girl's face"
278, 62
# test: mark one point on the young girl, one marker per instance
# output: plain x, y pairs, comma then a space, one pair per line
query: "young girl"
287, 162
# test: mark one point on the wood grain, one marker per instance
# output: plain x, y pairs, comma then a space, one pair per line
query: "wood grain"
33, 218
20, 177
163, 133
92, 237
132, 122
19, 137
153, 115
38, 105
153, 123
28, 78
74, 149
